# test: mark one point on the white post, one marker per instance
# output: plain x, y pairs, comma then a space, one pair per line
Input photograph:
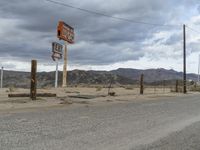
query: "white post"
1, 77
56, 75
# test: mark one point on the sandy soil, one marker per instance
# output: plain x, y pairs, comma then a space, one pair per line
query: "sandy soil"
79, 95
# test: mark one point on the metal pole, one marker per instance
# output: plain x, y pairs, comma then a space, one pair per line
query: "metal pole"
56, 75
65, 67
199, 70
1, 77
184, 60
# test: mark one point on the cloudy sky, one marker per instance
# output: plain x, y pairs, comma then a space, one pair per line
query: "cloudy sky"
27, 29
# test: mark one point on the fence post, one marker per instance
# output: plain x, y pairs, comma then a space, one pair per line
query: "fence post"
176, 86
33, 79
164, 86
141, 84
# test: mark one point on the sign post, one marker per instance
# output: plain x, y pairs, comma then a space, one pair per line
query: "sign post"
66, 33
56, 75
57, 54
65, 67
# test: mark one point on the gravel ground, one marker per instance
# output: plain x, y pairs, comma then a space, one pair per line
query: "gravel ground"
186, 139
168, 123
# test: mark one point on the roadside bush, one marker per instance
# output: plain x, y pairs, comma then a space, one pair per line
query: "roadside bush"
195, 88
98, 88
128, 88
12, 89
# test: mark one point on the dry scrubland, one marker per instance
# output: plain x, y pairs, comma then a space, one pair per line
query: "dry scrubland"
79, 96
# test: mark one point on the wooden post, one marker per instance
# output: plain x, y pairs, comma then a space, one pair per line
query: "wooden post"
33, 80
141, 84
195, 86
64, 84
176, 86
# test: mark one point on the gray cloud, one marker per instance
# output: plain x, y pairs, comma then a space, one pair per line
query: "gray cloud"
106, 40
194, 47
103, 54
173, 39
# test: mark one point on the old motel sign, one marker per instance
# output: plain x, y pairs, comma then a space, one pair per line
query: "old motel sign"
57, 51
65, 32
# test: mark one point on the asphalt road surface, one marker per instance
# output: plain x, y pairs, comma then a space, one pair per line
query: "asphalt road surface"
167, 124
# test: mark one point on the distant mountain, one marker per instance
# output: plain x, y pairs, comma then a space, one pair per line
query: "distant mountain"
121, 76
153, 75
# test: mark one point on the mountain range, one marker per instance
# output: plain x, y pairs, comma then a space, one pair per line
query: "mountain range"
121, 76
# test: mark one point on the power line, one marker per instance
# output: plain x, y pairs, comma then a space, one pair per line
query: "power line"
194, 30
109, 16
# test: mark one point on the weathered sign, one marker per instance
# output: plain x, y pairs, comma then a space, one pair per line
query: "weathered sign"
55, 56
65, 32
57, 48
57, 51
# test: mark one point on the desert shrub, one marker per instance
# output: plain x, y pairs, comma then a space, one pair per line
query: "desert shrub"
180, 90
98, 88
128, 88
195, 88
12, 89
111, 93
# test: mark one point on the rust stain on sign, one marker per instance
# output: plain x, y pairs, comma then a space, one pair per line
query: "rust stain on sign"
65, 32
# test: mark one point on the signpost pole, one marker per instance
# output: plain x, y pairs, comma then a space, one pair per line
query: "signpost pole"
65, 66
66, 33
1, 77
56, 75
199, 70
184, 60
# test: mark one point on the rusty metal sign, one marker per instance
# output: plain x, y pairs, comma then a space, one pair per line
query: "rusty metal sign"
65, 32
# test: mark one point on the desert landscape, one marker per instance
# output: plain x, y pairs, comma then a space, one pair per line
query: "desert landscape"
91, 87
79, 95
99, 75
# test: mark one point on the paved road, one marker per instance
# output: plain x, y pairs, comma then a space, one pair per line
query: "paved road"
168, 123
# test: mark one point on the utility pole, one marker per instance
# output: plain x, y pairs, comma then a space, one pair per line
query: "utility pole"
199, 70
184, 60
1, 77
65, 67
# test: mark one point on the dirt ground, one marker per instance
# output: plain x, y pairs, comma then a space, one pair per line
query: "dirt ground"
78, 96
